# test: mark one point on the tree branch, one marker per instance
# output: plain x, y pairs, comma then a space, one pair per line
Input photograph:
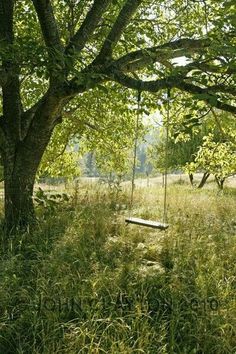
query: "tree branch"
206, 96
12, 107
206, 67
120, 24
221, 89
52, 40
87, 28
139, 85
88, 80
48, 24
170, 82
86, 123
131, 61
140, 58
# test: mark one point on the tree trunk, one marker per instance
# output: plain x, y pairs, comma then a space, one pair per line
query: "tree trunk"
191, 179
20, 169
22, 156
205, 177
220, 182
19, 209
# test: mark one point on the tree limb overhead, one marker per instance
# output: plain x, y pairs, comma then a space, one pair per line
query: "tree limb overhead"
138, 59
118, 28
172, 82
12, 107
48, 24
88, 27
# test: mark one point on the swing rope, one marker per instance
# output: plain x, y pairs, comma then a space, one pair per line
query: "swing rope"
135, 151
138, 221
166, 159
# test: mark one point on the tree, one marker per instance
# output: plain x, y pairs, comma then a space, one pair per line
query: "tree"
179, 153
206, 147
215, 157
54, 51
182, 121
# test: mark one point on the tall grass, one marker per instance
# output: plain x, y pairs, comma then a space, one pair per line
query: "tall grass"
84, 282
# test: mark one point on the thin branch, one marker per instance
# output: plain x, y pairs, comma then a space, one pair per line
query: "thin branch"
218, 123
12, 106
210, 68
60, 153
48, 24
224, 135
118, 28
79, 40
52, 40
206, 96
166, 51
82, 84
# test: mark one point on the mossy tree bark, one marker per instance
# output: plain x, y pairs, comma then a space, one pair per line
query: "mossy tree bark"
19, 176
18, 184
21, 159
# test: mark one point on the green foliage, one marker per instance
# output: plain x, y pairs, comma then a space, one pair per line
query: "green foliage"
101, 123
216, 154
217, 158
199, 141
64, 165
49, 202
174, 155
104, 121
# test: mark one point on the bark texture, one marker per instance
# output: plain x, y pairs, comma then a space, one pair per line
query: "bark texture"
21, 163
21, 159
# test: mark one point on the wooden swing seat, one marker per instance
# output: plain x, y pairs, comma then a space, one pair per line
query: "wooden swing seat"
148, 223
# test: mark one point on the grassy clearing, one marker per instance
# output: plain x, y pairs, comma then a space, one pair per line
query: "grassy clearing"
84, 282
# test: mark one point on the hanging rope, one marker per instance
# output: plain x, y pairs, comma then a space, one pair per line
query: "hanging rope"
206, 16
139, 221
166, 159
135, 150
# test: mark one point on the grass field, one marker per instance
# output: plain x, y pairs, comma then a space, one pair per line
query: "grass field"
84, 282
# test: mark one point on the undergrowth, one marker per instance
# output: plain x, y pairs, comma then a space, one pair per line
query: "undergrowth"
84, 282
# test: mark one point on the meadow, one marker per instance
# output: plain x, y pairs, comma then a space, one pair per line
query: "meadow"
85, 282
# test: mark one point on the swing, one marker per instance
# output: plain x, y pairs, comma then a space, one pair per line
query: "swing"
147, 223
138, 221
